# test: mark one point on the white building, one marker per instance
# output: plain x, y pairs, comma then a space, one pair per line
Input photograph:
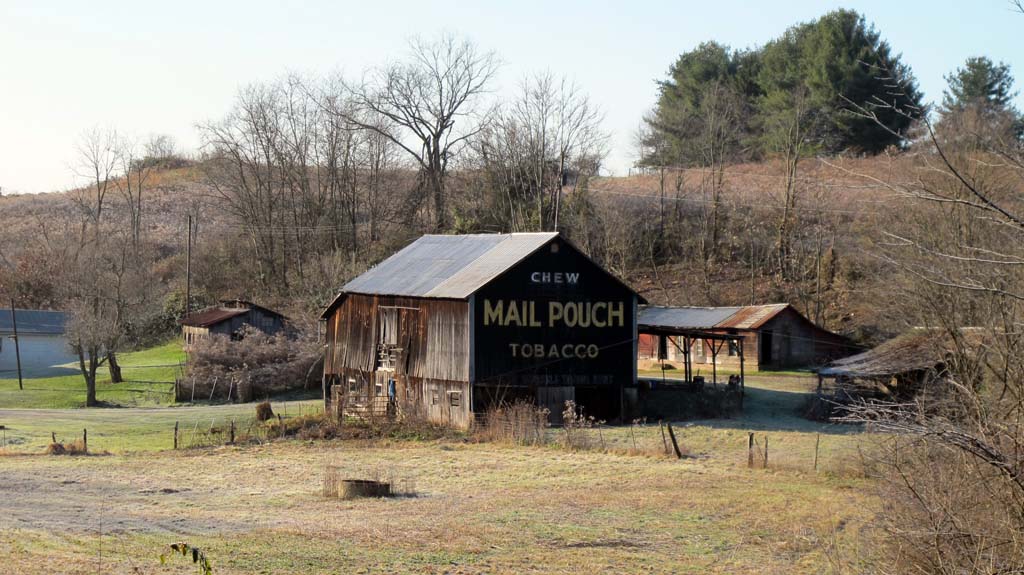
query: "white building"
41, 339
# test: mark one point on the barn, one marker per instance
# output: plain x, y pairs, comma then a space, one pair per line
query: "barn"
42, 342
228, 318
454, 324
775, 336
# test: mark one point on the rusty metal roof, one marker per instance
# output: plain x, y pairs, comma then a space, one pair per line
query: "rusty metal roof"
211, 316
738, 317
33, 321
449, 267
752, 316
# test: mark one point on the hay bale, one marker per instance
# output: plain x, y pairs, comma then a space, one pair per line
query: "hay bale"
263, 411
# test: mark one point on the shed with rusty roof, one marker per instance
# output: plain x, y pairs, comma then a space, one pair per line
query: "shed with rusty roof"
454, 324
775, 336
229, 318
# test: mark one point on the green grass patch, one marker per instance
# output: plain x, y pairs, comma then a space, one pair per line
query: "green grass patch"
149, 381
117, 430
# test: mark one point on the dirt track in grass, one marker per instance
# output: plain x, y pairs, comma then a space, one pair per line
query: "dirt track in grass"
479, 508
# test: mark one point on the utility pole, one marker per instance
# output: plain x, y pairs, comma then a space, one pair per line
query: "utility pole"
188, 269
17, 344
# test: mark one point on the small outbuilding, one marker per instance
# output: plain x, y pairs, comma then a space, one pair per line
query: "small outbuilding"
902, 366
42, 341
774, 336
452, 325
229, 318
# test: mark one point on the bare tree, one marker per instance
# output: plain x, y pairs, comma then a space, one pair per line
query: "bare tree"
134, 171
98, 160
547, 138
953, 471
431, 103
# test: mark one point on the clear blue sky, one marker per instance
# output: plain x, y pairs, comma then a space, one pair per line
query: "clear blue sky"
161, 67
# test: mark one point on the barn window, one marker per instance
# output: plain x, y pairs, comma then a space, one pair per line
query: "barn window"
433, 397
455, 398
267, 324
734, 348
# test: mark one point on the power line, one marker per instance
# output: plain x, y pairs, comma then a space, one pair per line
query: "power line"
732, 202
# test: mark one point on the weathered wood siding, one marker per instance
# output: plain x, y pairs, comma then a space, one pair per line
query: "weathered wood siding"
430, 369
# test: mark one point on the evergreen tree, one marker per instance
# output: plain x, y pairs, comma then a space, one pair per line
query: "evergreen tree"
711, 71
845, 69
823, 75
980, 80
977, 106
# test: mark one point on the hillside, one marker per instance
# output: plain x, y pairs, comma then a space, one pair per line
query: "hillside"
842, 205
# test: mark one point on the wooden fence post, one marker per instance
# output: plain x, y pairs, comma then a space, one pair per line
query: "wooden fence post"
232, 442
750, 450
280, 426
175, 435
664, 440
85, 440
53, 437
766, 451
675, 446
817, 442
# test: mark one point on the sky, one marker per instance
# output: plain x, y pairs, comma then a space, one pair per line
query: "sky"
147, 68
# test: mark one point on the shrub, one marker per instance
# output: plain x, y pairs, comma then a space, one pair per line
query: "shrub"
575, 423
264, 411
72, 448
255, 365
521, 423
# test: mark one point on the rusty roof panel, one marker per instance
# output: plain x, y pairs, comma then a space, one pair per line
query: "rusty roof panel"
752, 316
211, 316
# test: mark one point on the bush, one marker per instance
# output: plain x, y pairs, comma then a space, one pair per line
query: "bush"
257, 365
75, 447
520, 423
264, 411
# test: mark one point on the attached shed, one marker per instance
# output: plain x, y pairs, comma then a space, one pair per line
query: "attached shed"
42, 342
775, 336
228, 318
454, 324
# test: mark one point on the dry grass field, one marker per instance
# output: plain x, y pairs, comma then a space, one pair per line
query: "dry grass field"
477, 508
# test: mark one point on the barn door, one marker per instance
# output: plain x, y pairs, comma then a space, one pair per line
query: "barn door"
553, 399
766, 348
